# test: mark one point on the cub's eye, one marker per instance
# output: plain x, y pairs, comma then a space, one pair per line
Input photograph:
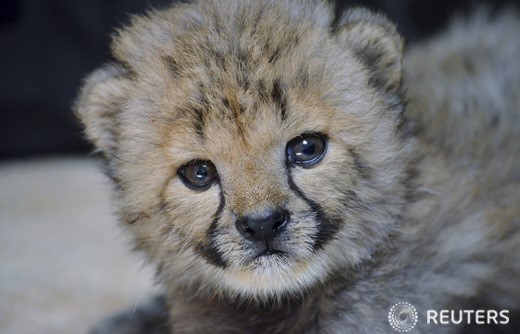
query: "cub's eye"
198, 174
306, 149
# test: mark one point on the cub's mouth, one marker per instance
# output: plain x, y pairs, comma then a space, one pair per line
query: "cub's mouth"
270, 252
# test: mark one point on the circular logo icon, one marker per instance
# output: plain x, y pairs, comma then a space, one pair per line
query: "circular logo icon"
402, 317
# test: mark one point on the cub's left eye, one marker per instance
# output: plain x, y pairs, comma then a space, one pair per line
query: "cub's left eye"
306, 150
198, 174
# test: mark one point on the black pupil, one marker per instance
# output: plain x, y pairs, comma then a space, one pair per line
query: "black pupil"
308, 149
201, 172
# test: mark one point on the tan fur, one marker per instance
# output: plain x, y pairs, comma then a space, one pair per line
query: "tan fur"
233, 82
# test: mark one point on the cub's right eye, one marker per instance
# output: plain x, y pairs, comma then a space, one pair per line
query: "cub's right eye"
198, 174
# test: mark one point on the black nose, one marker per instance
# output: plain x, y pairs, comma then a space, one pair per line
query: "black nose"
264, 226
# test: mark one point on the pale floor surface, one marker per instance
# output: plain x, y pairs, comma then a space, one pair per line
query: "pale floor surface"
64, 262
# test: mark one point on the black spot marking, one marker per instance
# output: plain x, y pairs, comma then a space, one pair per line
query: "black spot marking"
173, 66
339, 7
226, 103
261, 88
244, 80
373, 61
234, 106
220, 60
280, 98
241, 109
242, 56
209, 251
327, 227
259, 18
198, 123
275, 55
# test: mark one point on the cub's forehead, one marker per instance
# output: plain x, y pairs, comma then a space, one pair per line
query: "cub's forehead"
261, 71
234, 46
218, 28
209, 118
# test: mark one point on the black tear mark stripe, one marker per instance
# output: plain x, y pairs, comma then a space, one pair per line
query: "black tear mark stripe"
208, 250
327, 227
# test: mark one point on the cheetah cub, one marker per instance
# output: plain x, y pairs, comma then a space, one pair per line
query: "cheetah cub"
265, 161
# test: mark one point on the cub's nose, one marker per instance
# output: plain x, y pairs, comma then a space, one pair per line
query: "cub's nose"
263, 226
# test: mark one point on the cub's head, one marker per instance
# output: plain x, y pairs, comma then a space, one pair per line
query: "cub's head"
255, 146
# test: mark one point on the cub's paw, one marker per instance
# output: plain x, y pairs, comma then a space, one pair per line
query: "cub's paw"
148, 318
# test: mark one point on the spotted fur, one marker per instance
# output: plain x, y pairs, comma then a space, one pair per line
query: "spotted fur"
388, 213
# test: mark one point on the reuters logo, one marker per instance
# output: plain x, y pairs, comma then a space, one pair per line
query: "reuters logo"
402, 317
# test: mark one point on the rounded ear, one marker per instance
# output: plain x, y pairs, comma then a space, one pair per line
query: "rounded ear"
376, 42
99, 104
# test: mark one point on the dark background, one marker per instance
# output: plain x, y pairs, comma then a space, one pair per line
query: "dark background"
48, 46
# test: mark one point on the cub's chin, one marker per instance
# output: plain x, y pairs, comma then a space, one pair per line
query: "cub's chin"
281, 276
275, 275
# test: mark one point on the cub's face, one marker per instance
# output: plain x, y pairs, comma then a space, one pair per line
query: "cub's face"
252, 158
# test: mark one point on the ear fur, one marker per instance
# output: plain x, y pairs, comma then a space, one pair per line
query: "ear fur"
99, 104
376, 42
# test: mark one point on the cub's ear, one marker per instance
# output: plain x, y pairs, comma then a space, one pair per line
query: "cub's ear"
99, 104
376, 42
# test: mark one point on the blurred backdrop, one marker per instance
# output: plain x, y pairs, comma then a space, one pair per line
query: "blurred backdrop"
48, 46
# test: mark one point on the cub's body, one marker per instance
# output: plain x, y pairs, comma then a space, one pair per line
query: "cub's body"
417, 203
